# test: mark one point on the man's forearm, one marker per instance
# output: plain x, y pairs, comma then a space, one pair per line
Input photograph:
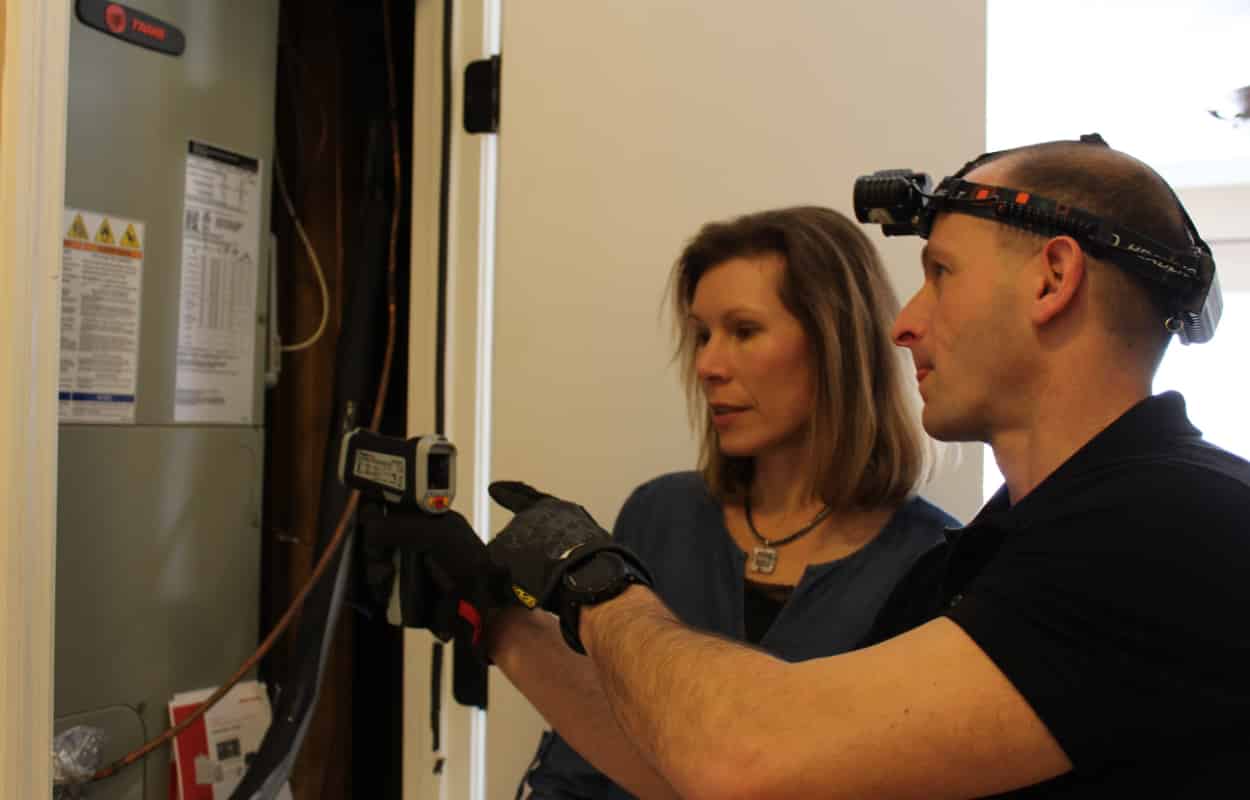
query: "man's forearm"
681, 697
528, 647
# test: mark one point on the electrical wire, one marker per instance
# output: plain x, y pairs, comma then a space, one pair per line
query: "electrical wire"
312, 255
353, 499
444, 212
396, 169
338, 165
295, 64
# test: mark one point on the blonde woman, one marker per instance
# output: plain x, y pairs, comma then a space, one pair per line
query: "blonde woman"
802, 515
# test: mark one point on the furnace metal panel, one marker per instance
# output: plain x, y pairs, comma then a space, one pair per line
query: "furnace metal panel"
158, 542
132, 112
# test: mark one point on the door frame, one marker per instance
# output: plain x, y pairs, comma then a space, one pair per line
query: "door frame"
470, 181
34, 65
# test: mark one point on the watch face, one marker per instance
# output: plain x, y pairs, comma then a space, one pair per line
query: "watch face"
599, 572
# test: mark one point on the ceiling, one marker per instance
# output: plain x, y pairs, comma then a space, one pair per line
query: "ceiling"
1143, 74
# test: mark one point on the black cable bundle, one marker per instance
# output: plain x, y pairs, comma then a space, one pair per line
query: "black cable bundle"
361, 349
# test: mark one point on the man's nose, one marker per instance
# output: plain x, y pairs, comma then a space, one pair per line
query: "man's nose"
909, 324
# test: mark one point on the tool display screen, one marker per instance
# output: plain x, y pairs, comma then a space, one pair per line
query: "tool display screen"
438, 479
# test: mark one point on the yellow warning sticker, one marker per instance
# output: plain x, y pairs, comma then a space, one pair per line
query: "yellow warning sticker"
77, 229
130, 238
90, 270
104, 234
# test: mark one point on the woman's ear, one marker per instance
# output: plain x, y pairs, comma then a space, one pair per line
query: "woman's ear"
1060, 271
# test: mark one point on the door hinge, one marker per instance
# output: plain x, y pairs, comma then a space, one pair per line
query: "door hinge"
481, 96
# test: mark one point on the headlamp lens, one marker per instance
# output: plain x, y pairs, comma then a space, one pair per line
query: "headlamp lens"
893, 199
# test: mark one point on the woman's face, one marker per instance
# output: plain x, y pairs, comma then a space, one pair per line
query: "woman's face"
752, 358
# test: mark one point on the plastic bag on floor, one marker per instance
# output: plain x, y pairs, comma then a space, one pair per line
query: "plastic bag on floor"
75, 758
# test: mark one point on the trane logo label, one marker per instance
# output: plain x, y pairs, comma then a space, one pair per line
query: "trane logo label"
147, 29
115, 20
132, 26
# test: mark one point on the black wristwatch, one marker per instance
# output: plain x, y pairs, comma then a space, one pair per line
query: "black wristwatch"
600, 577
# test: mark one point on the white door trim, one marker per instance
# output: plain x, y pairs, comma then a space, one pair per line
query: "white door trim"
34, 64
457, 769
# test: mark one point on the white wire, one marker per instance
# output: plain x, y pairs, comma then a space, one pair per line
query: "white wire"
312, 255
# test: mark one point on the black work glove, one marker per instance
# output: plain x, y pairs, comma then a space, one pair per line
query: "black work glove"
544, 540
447, 581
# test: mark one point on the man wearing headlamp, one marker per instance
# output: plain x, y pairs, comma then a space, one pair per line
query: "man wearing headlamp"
1082, 637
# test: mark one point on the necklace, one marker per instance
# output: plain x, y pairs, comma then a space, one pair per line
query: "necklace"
764, 559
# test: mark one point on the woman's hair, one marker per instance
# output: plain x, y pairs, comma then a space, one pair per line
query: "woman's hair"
865, 438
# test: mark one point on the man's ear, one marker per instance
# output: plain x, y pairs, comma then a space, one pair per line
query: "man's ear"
1060, 272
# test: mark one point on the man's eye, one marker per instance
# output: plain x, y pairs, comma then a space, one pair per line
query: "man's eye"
745, 331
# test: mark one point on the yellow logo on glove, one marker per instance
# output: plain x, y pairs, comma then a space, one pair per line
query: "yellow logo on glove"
528, 600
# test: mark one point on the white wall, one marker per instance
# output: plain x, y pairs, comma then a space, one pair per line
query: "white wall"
34, 61
625, 126
1222, 215
1157, 110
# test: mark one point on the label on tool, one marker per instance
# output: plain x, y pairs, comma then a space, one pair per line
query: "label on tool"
382, 468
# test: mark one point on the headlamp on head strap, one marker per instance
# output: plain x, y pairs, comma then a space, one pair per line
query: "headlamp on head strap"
903, 204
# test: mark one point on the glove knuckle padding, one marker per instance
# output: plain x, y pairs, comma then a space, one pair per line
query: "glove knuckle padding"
534, 544
550, 528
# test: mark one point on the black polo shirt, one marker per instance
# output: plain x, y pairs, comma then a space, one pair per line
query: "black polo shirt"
1116, 598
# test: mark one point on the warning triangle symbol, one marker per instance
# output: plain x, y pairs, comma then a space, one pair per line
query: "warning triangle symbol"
105, 233
130, 238
77, 229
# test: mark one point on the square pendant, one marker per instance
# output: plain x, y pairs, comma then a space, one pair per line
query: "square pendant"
763, 559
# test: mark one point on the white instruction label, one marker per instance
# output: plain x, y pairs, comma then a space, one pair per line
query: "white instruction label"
216, 372
101, 279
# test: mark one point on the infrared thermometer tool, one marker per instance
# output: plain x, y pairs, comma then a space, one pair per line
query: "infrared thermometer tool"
417, 472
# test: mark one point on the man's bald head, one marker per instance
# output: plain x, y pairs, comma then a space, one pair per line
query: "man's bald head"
1102, 181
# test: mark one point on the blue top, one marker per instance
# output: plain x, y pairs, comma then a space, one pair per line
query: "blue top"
678, 529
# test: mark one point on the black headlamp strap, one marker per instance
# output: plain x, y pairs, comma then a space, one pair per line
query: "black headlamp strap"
1181, 271
901, 201
1044, 216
